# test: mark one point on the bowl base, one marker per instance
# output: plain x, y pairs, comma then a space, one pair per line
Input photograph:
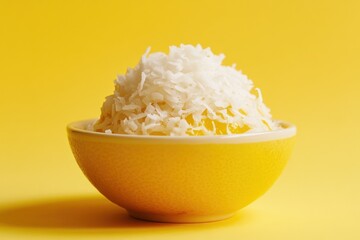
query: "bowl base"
178, 219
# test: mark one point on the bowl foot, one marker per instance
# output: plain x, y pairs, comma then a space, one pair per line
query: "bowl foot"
178, 218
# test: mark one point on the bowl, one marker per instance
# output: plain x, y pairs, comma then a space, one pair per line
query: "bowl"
181, 179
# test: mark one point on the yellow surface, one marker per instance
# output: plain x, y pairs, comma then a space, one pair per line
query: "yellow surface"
183, 180
58, 60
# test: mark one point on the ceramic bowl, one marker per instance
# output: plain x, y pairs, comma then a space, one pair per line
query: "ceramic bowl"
181, 179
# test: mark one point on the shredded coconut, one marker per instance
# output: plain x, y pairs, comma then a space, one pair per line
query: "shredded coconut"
187, 92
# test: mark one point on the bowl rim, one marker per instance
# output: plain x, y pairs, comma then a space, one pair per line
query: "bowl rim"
288, 130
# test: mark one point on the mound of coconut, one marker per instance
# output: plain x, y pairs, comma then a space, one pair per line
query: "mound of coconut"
186, 92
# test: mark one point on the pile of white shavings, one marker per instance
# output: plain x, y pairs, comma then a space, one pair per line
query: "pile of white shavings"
187, 92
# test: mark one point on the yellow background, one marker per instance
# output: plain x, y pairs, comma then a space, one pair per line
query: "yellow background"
58, 60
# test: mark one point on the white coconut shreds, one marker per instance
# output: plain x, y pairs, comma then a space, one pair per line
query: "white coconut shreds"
187, 92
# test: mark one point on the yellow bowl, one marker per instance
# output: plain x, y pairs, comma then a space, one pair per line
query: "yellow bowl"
181, 179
